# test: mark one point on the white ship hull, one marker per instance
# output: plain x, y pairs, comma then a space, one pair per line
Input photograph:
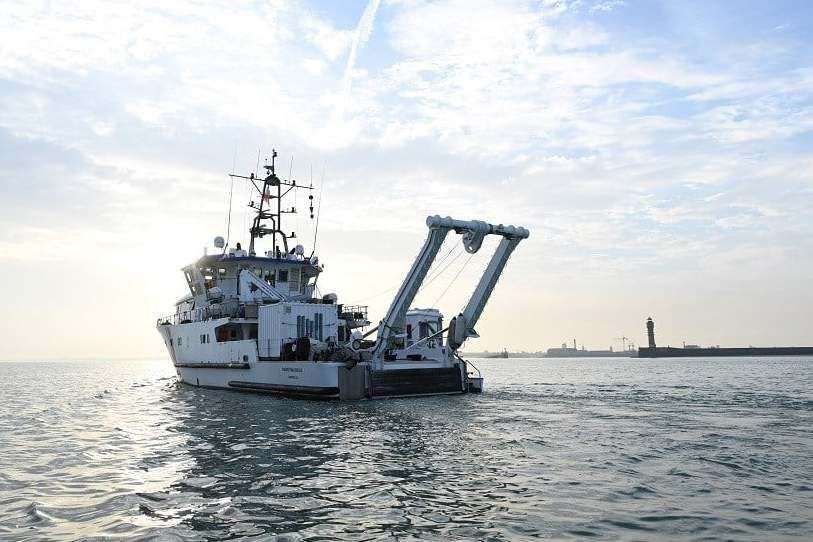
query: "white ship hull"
236, 365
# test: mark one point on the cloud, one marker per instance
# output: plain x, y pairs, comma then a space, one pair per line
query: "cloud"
360, 38
607, 5
627, 147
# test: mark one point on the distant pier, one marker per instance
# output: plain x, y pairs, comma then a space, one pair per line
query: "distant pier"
653, 351
669, 352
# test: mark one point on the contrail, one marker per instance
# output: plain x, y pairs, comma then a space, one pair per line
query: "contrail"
363, 31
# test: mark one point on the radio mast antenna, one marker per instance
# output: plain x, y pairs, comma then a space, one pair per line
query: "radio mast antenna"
264, 185
318, 209
231, 193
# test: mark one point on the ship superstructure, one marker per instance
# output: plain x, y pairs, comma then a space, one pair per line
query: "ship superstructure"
253, 321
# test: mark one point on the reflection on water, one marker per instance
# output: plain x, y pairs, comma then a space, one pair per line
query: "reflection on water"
555, 448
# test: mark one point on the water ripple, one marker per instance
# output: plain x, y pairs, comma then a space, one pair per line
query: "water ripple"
606, 449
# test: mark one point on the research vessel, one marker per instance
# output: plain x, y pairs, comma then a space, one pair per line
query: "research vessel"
253, 320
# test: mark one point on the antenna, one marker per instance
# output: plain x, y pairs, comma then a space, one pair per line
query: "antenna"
248, 189
228, 221
231, 192
318, 209
270, 187
296, 192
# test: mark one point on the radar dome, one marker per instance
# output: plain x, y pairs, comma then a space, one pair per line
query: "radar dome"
219, 242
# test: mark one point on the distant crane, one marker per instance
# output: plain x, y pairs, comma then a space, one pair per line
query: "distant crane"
623, 342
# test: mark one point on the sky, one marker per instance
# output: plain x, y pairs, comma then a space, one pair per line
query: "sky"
660, 153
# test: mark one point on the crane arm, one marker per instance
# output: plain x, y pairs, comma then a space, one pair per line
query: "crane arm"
393, 322
473, 233
462, 326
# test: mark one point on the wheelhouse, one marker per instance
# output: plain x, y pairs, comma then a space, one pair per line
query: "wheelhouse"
218, 275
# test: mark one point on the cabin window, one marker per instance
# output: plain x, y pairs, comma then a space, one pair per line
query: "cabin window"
180, 341
409, 331
282, 275
208, 275
228, 332
225, 273
194, 286
188, 276
427, 329
293, 280
307, 282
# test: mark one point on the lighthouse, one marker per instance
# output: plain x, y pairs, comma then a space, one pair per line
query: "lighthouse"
650, 332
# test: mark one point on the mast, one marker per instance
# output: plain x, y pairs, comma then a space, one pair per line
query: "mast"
258, 227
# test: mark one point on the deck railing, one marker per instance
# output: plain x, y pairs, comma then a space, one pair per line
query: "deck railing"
353, 312
231, 309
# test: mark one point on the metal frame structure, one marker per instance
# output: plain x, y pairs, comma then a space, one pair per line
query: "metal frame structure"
271, 180
461, 327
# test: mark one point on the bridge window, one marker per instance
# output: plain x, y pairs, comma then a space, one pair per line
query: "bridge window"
208, 275
226, 273
293, 281
228, 332
282, 275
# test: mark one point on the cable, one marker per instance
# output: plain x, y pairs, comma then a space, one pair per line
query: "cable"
318, 210
231, 192
290, 179
228, 224
427, 281
388, 290
439, 262
247, 192
434, 304
440, 272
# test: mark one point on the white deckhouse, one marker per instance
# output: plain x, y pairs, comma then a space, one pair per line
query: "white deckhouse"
253, 322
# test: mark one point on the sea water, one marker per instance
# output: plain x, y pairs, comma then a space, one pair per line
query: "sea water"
663, 449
